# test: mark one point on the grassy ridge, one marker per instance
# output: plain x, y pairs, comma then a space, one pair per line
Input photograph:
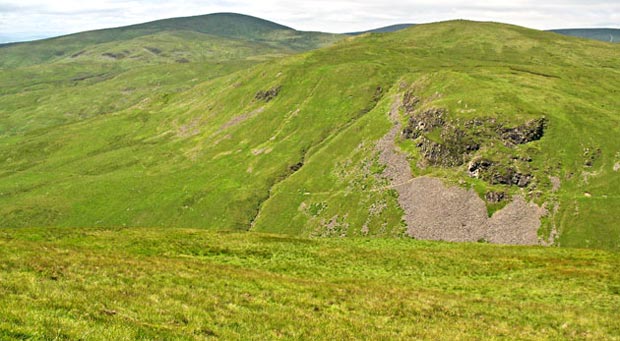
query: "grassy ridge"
191, 284
608, 35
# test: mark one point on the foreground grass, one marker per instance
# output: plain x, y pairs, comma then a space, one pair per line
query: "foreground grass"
194, 284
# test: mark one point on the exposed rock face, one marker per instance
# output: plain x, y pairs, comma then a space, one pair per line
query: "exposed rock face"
446, 142
424, 122
530, 131
435, 211
454, 151
268, 95
478, 166
508, 176
454, 146
497, 174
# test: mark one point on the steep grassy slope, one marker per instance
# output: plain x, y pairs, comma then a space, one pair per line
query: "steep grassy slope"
478, 73
289, 146
65, 79
109, 77
122, 284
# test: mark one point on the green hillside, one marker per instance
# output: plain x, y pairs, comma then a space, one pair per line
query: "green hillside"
128, 284
61, 80
508, 134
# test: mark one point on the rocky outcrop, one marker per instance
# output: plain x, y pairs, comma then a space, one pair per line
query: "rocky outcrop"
508, 176
530, 131
435, 211
453, 146
446, 142
453, 151
424, 122
496, 173
268, 95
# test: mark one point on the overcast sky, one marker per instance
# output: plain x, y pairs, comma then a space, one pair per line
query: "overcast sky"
30, 19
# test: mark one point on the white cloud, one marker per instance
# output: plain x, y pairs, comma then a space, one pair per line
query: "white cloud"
21, 19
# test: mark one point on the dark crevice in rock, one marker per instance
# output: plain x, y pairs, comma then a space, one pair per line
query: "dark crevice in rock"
478, 166
296, 167
530, 131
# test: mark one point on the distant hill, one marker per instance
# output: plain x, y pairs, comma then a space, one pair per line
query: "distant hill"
241, 28
610, 35
603, 34
386, 29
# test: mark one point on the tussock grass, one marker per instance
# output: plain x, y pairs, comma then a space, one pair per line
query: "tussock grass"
145, 283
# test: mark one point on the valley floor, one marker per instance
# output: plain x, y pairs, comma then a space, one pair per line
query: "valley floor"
145, 283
